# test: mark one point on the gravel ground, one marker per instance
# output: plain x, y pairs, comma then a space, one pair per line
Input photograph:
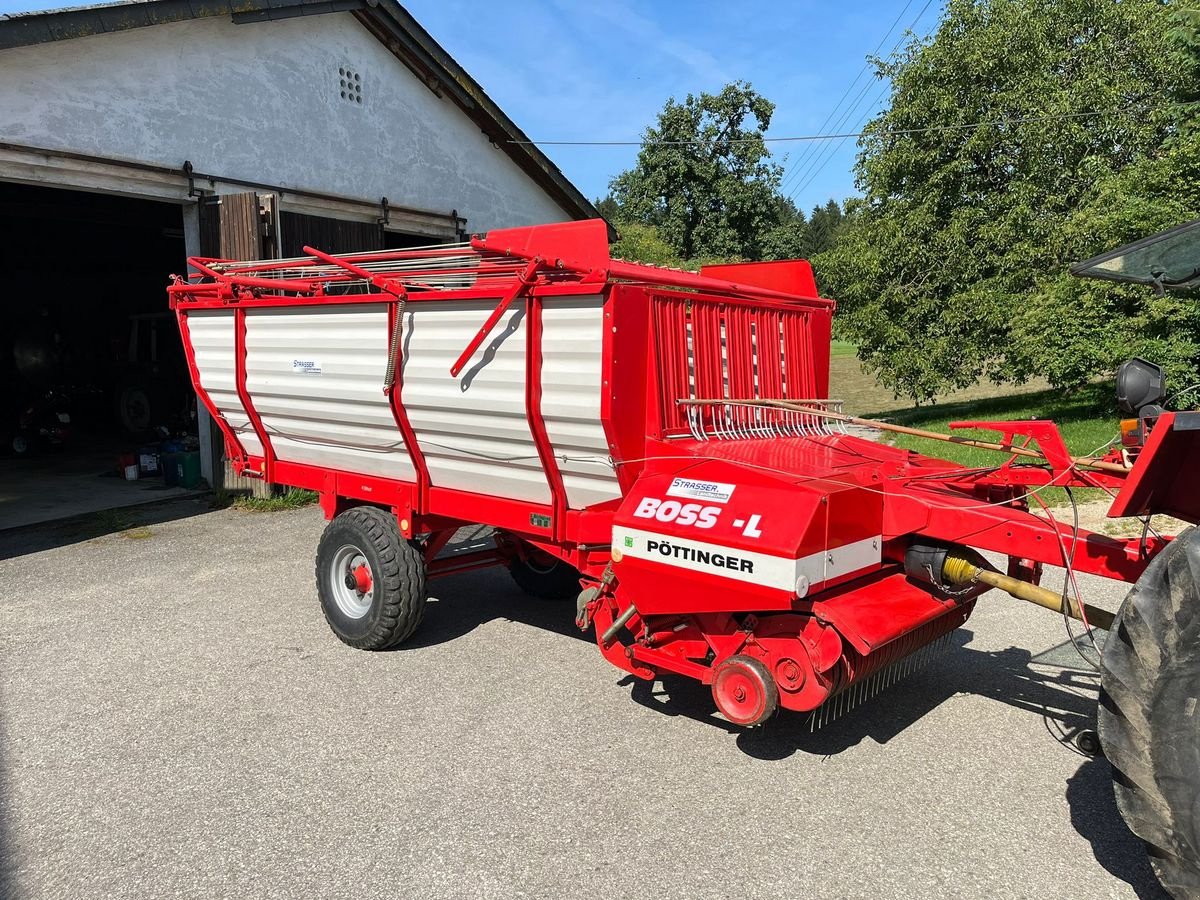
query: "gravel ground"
177, 720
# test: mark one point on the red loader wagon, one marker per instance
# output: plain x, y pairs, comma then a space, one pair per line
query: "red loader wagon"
660, 445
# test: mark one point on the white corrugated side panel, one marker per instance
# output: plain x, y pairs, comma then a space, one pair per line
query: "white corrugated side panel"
472, 429
315, 377
213, 342
572, 372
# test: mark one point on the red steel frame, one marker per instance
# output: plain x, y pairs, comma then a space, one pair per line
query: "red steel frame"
727, 333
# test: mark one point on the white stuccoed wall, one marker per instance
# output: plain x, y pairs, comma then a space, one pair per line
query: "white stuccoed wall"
261, 102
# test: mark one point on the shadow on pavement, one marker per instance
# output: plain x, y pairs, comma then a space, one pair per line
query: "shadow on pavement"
466, 607
62, 532
1065, 699
1095, 816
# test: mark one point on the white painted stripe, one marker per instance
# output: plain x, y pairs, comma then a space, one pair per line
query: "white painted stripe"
855, 557
783, 573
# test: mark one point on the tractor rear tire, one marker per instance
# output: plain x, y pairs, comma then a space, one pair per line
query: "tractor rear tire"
1149, 715
371, 581
545, 577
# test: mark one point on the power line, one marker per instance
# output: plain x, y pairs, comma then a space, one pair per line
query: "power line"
833, 112
1021, 120
823, 156
819, 158
818, 165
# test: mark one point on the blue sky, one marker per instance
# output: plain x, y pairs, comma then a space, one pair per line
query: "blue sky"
574, 70
571, 70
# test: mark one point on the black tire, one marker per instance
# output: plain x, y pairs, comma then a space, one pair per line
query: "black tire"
1149, 720
551, 579
390, 611
137, 408
22, 444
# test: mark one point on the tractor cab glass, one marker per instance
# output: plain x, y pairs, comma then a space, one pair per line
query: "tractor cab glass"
1169, 260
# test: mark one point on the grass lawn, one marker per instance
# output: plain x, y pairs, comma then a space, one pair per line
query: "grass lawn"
1088, 419
842, 350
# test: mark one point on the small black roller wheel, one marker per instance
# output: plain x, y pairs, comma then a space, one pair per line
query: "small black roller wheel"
545, 577
1088, 742
22, 444
371, 581
1149, 716
744, 691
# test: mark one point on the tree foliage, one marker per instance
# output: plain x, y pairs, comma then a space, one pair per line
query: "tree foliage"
705, 188
952, 266
704, 178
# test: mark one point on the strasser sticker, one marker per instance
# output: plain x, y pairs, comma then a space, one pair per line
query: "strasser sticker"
306, 366
712, 491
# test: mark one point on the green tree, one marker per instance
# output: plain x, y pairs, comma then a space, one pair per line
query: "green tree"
642, 243
789, 237
607, 207
951, 267
823, 226
704, 179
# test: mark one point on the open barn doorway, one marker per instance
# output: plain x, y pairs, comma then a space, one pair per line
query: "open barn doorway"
93, 374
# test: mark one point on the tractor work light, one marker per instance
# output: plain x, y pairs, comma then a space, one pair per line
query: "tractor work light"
1140, 388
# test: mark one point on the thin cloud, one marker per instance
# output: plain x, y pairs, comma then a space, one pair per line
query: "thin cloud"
647, 32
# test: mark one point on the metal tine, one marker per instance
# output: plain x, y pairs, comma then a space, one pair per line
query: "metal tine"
738, 420
722, 429
766, 422
751, 417
777, 426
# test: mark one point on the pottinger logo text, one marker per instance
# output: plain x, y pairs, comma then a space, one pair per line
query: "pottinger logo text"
717, 559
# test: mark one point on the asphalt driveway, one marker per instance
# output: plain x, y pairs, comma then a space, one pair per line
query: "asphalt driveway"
177, 720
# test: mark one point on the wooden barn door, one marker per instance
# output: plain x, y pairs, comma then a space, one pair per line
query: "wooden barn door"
298, 230
239, 226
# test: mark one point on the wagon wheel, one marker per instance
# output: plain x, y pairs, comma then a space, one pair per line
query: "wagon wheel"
1149, 719
546, 577
371, 581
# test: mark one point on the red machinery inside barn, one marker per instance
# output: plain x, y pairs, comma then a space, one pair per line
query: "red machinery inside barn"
659, 444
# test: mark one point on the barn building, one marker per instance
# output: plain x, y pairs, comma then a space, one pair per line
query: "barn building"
135, 134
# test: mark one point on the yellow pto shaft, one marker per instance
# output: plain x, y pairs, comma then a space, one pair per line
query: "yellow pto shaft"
958, 570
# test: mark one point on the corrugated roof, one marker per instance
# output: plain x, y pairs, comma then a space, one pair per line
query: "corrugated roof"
391, 24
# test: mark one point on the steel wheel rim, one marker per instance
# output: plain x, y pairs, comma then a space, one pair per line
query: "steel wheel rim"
352, 601
740, 693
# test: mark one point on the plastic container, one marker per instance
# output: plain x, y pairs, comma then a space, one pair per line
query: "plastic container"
131, 473
170, 467
187, 468
148, 459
